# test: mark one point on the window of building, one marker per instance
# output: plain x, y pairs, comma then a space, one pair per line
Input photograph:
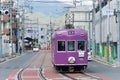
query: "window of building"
61, 45
71, 45
81, 45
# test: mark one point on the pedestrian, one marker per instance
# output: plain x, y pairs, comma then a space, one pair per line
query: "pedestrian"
20, 50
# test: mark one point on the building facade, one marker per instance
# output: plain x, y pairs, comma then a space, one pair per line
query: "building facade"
39, 33
7, 24
106, 31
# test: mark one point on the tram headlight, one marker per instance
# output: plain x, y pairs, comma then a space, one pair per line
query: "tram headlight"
71, 60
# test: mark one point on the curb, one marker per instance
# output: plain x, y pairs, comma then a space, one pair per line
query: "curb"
9, 57
2, 60
104, 61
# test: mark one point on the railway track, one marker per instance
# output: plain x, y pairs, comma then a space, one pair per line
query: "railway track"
32, 63
41, 64
24, 67
70, 76
91, 76
66, 76
41, 68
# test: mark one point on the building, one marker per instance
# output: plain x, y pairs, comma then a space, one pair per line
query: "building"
39, 33
106, 33
6, 28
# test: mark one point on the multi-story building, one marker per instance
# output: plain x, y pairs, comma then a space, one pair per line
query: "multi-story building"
105, 33
6, 26
38, 33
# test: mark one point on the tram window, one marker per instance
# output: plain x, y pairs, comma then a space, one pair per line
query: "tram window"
71, 45
61, 45
81, 45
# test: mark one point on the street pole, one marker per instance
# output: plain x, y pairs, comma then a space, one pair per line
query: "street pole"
51, 33
17, 16
93, 29
108, 32
89, 30
118, 30
18, 37
100, 27
0, 36
11, 41
23, 28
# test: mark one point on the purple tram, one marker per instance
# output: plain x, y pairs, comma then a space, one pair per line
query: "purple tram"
70, 50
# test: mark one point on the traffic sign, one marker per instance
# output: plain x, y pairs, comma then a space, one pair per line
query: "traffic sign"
108, 12
4, 7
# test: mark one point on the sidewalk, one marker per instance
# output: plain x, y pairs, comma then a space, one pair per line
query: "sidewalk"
13, 56
9, 57
103, 60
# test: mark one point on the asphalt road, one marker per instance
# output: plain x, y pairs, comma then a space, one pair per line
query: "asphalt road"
18, 62
93, 66
105, 70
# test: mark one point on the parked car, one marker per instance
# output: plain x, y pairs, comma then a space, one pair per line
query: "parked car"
36, 48
90, 55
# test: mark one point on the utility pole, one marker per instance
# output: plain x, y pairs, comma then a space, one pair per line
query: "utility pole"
93, 29
100, 8
18, 37
51, 28
90, 30
11, 35
118, 30
0, 36
108, 32
23, 32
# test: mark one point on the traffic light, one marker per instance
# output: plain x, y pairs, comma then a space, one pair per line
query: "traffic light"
1, 12
6, 12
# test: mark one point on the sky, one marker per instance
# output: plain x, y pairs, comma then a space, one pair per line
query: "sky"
43, 9
57, 9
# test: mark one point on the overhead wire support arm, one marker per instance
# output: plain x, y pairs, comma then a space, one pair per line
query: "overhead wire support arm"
50, 1
81, 11
81, 21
